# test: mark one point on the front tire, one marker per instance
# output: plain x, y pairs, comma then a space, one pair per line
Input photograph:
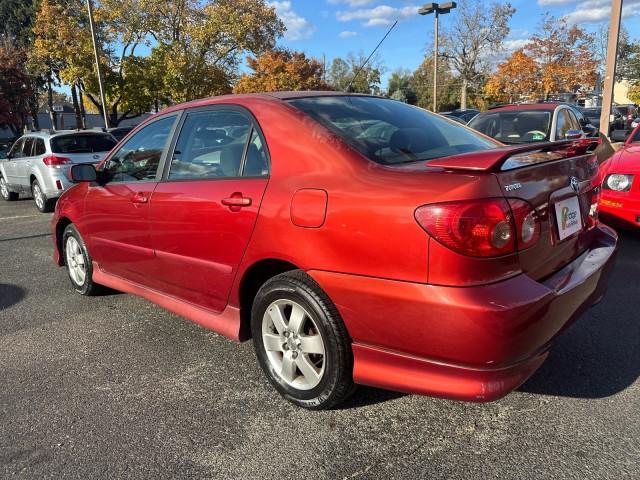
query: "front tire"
78, 262
6, 194
43, 204
301, 342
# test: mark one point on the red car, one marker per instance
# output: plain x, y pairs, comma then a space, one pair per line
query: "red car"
356, 239
620, 200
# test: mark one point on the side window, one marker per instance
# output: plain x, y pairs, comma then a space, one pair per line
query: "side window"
16, 150
210, 145
563, 124
256, 163
39, 148
27, 149
138, 159
575, 125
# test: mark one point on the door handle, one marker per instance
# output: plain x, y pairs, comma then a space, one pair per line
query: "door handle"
236, 201
140, 198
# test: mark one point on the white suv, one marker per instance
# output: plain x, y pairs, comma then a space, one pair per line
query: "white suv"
38, 163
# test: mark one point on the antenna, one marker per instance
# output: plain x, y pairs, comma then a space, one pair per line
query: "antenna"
348, 89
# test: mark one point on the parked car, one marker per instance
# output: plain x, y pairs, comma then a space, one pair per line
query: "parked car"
464, 115
38, 163
533, 122
120, 132
620, 199
430, 259
627, 114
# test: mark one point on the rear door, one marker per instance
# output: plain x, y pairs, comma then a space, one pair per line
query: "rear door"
23, 164
116, 212
203, 212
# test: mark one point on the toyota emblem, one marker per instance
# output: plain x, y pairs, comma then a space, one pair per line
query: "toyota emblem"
574, 184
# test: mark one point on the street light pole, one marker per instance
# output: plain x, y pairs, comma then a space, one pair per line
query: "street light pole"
436, 9
98, 70
610, 68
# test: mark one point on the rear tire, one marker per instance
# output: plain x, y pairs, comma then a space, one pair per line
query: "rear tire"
78, 262
43, 204
301, 342
6, 194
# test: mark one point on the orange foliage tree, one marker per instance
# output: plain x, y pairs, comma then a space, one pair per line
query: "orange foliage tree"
514, 79
277, 70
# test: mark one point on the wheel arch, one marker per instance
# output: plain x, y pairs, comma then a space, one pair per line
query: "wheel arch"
62, 223
253, 278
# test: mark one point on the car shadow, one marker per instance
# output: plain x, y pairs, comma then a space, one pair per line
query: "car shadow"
10, 295
599, 355
365, 396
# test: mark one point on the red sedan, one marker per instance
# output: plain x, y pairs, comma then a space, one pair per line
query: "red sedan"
620, 201
356, 239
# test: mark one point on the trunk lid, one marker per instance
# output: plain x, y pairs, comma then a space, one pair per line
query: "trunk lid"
545, 175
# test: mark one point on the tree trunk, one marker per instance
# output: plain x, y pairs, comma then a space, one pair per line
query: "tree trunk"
83, 114
463, 94
33, 108
52, 115
76, 106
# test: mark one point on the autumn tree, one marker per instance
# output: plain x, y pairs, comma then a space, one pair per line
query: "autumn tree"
563, 56
278, 70
478, 29
515, 78
342, 73
15, 88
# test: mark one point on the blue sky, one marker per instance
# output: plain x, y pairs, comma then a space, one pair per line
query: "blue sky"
335, 27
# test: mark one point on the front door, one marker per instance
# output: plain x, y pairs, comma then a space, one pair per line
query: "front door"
116, 212
203, 214
11, 165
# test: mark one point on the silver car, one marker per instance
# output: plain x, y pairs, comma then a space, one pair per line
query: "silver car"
38, 163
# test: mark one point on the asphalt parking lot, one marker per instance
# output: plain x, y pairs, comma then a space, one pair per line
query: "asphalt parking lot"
115, 387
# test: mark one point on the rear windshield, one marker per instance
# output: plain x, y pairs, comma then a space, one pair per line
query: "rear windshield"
82, 143
391, 132
514, 126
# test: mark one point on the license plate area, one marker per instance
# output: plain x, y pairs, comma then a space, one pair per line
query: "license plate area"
568, 217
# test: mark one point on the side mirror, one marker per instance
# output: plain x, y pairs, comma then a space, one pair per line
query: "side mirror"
573, 135
590, 130
619, 136
84, 172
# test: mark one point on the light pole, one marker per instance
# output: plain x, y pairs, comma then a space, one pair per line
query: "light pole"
99, 72
610, 68
436, 9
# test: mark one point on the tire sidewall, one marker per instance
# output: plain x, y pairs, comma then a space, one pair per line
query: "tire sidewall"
42, 195
71, 231
6, 198
282, 289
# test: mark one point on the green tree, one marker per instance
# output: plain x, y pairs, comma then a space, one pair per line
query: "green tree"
448, 86
342, 73
16, 21
401, 80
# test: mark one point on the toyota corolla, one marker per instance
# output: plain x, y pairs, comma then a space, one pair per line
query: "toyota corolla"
355, 239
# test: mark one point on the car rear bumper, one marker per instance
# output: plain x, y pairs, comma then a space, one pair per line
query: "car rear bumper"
55, 183
467, 343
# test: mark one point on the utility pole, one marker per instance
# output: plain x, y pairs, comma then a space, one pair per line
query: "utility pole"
610, 68
436, 9
98, 70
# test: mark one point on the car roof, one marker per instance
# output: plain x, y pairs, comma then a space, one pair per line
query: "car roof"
529, 106
57, 133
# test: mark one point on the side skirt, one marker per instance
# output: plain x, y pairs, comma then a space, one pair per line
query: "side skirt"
226, 323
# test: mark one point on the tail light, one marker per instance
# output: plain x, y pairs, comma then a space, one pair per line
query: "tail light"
55, 161
482, 228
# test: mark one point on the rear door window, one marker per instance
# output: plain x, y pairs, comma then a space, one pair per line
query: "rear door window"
82, 143
27, 149
211, 144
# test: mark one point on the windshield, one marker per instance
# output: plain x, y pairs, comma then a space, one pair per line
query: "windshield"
514, 126
636, 136
82, 143
391, 132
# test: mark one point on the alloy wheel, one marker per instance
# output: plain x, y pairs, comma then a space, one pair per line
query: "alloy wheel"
75, 261
37, 196
4, 190
293, 343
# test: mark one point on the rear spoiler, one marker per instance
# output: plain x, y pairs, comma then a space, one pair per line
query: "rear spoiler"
511, 157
